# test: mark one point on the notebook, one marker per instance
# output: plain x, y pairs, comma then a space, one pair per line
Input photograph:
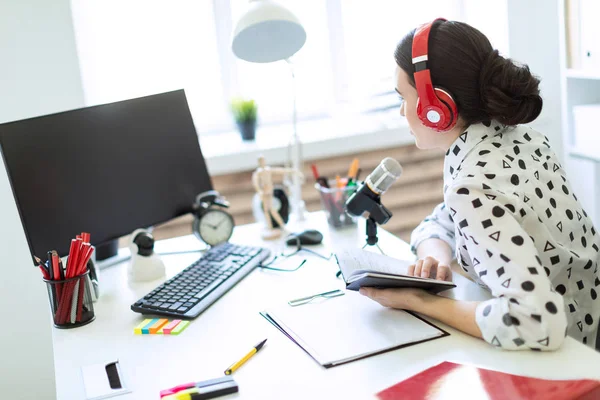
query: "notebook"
361, 268
449, 381
343, 329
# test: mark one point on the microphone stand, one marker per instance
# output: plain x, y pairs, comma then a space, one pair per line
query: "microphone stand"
372, 238
378, 214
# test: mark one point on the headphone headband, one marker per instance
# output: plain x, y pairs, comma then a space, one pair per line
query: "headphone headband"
435, 107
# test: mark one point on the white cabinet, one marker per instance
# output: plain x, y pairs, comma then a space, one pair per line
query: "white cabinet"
538, 37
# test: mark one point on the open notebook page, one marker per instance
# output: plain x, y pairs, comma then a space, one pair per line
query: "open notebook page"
357, 261
349, 327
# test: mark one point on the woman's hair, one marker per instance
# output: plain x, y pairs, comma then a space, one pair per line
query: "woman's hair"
484, 84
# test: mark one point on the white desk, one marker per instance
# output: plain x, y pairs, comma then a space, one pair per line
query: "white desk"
231, 326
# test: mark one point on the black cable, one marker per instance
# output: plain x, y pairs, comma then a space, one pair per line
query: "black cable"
282, 269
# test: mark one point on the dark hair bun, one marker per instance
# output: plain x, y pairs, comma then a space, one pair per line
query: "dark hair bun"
510, 94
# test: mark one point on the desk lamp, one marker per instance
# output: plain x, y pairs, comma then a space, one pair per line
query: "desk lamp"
265, 33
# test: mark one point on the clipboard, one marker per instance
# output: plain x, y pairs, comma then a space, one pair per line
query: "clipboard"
349, 328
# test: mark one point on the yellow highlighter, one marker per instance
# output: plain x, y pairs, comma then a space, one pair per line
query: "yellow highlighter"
238, 364
187, 394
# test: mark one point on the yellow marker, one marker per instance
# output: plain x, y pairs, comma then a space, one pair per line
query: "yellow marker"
182, 394
185, 394
353, 170
180, 327
138, 329
338, 182
159, 324
238, 364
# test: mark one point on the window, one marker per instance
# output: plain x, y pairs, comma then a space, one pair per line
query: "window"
271, 84
373, 28
132, 48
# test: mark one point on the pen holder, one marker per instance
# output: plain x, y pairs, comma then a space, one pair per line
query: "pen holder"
71, 301
333, 201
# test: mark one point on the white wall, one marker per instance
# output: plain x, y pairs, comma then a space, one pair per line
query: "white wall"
39, 74
536, 38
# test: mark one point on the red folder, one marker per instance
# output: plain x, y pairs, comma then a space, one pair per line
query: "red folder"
456, 381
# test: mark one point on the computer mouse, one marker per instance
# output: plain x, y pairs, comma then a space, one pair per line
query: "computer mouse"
309, 236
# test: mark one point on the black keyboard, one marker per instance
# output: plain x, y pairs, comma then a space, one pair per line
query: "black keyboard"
194, 289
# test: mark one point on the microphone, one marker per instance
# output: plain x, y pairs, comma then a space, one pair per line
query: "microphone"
366, 200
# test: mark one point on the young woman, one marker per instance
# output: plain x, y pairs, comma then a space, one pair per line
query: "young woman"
509, 215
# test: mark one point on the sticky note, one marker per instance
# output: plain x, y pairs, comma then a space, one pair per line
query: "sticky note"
138, 329
180, 327
170, 326
146, 328
159, 324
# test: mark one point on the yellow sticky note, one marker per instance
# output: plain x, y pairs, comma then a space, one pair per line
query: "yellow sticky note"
138, 329
158, 325
180, 327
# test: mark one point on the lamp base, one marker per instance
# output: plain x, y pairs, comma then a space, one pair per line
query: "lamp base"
299, 211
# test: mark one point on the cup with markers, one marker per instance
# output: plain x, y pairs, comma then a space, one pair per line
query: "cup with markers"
335, 192
68, 284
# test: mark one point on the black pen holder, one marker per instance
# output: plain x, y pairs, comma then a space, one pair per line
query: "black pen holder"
71, 301
333, 200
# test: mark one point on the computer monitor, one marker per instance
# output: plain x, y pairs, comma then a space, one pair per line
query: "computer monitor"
106, 170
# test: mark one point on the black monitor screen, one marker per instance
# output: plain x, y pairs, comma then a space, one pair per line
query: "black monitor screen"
106, 170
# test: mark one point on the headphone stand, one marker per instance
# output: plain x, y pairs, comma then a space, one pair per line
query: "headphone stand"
372, 238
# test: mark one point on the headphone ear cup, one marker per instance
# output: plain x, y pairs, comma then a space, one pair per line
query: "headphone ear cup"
449, 110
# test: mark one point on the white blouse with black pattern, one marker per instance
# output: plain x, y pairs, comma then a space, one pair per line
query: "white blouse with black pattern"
516, 227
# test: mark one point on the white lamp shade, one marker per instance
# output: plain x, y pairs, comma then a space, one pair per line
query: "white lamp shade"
267, 32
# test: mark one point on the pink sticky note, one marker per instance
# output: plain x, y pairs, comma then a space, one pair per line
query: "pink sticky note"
170, 326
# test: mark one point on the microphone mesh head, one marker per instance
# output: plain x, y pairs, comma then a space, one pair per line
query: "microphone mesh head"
384, 175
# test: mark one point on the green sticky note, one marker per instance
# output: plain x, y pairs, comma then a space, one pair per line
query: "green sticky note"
180, 327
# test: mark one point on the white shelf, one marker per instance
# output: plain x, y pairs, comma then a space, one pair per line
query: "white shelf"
586, 154
583, 74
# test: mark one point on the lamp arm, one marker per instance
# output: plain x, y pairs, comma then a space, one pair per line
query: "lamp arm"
295, 153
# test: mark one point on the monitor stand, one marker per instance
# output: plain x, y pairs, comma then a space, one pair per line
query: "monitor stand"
108, 254
107, 250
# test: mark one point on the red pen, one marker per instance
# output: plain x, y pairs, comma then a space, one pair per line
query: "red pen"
314, 171
56, 273
44, 272
42, 266
85, 236
71, 260
85, 256
55, 265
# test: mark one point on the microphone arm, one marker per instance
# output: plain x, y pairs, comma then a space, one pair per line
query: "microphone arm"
378, 212
360, 203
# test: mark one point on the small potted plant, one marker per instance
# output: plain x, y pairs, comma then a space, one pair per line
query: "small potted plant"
244, 113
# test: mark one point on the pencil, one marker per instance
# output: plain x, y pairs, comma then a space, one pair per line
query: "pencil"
233, 367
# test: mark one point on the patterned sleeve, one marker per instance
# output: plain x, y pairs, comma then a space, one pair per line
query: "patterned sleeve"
526, 312
438, 225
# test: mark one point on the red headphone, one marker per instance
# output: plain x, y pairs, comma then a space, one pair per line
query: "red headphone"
435, 106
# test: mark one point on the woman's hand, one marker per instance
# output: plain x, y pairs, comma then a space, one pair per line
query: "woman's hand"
458, 314
404, 299
430, 267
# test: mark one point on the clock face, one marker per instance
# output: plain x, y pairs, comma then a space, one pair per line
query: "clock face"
216, 226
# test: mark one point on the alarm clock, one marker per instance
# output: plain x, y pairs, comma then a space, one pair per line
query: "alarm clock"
212, 224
